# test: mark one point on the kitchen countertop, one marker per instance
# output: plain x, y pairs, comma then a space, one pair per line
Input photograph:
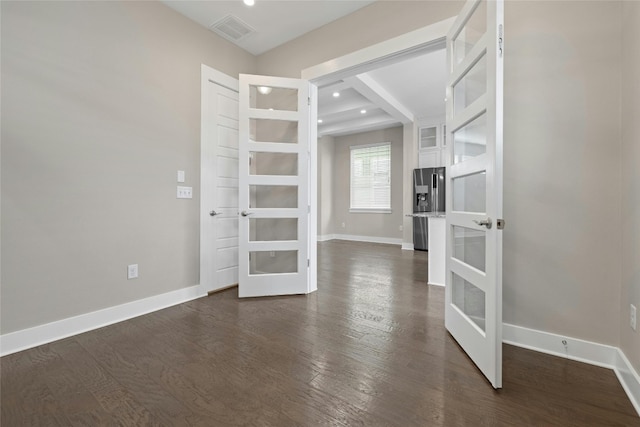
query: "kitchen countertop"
428, 215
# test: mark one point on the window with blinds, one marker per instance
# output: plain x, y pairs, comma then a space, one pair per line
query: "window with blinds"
371, 177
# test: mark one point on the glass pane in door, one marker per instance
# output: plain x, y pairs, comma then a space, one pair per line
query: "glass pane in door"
470, 140
273, 98
469, 246
474, 29
273, 229
267, 130
273, 262
469, 193
273, 163
472, 86
273, 196
469, 299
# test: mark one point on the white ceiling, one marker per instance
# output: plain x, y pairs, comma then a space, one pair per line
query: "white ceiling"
275, 22
410, 90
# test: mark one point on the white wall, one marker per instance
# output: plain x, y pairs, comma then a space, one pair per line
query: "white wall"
100, 108
630, 340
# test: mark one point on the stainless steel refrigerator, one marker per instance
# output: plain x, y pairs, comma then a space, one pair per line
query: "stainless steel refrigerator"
428, 196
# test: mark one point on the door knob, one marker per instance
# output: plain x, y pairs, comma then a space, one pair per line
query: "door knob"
214, 213
484, 222
245, 213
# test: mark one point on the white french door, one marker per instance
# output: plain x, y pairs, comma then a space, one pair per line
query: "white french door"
473, 313
276, 246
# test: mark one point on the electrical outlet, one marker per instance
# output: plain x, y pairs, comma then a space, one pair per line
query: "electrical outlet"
400, 228
633, 317
132, 271
184, 192
272, 254
180, 176
343, 225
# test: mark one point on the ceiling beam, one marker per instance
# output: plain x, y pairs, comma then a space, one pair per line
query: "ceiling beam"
355, 126
378, 95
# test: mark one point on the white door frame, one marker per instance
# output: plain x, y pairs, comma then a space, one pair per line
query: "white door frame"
409, 45
208, 76
406, 46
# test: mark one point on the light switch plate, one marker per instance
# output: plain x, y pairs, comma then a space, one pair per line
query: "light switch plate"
184, 192
180, 176
132, 271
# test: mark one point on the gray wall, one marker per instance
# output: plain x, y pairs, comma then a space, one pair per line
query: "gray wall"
372, 24
562, 127
629, 340
562, 161
366, 224
100, 108
325, 185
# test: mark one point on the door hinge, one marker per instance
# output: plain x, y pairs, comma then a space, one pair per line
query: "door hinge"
308, 263
500, 40
309, 209
309, 101
500, 224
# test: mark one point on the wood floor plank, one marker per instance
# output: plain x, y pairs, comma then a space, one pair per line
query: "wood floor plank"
369, 348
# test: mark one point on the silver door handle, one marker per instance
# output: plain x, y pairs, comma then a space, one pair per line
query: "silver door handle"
484, 222
214, 213
245, 213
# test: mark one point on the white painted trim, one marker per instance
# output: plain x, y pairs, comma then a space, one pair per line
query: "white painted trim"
49, 332
407, 246
369, 239
405, 46
629, 379
550, 343
602, 355
215, 76
376, 93
325, 237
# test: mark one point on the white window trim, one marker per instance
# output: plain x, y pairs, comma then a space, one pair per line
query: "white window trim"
370, 210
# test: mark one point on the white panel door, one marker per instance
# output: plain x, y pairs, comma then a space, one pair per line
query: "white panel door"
219, 185
275, 248
473, 313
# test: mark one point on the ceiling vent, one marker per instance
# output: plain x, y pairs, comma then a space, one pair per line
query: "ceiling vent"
232, 28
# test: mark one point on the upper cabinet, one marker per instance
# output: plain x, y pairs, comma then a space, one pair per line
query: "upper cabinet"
428, 137
432, 146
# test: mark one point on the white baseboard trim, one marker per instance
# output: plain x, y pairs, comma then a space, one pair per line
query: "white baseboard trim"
49, 332
407, 246
602, 355
629, 379
368, 239
325, 237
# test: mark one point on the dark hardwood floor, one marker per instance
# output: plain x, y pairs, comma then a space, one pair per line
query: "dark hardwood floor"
369, 348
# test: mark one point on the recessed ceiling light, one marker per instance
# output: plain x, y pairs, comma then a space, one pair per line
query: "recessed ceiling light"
363, 111
249, 2
336, 94
265, 90
319, 120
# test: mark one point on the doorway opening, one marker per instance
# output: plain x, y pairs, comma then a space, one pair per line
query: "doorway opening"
384, 94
